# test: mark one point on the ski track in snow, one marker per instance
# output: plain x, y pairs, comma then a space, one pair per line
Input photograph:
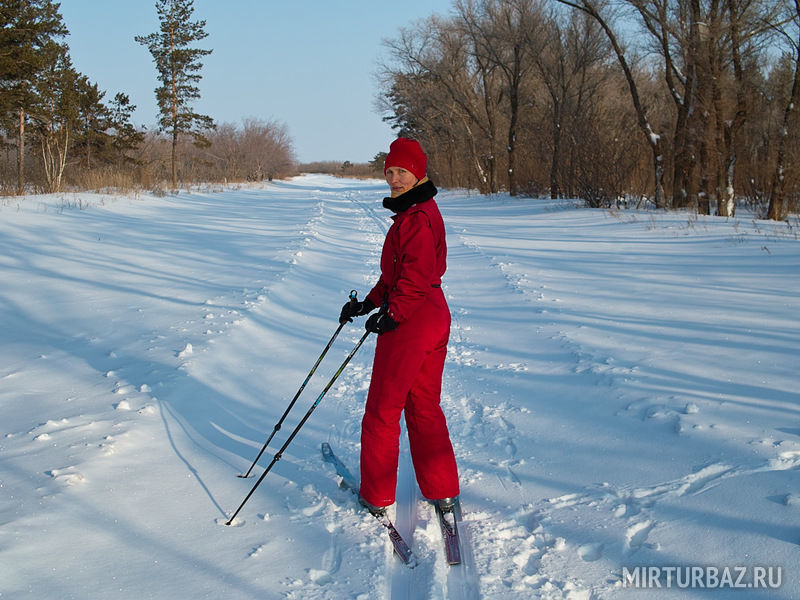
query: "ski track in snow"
538, 553
507, 547
182, 396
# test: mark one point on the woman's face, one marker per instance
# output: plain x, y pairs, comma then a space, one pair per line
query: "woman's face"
400, 180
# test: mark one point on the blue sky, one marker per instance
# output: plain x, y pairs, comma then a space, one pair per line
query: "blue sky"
307, 63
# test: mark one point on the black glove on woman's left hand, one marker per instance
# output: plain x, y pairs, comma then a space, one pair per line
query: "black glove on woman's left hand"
380, 323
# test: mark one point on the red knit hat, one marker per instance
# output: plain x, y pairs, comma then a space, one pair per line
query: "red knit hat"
407, 154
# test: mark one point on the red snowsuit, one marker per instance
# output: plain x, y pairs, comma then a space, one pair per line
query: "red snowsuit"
408, 364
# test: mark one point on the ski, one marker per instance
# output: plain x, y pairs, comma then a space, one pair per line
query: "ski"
348, 482
448, 522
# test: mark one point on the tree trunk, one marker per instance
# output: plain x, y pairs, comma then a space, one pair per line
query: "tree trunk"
513, 97
682, 162
174, 159
692, 114
777, 201
491, 129
555, 161
54, 156
512, 154
482, 177
709, 97
727, 199
21, 153
174, 99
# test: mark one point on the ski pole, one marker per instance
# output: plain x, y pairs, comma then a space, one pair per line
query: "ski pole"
279, 454
353, 296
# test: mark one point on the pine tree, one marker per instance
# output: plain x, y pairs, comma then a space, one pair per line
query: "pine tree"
125, 136
178, 67
104, 133
377, 162
94, 120
27, 28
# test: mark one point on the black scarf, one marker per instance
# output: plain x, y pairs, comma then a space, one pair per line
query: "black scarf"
416, 195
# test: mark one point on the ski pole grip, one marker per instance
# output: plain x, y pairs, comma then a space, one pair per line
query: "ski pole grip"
353, 296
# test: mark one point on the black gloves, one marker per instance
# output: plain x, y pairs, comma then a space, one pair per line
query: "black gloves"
355, 309
380, 323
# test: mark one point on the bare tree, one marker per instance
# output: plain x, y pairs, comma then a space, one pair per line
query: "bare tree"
790, 32
704, 46
254, 151
445, 95
570, 66
267, 148
653, 139
505, 36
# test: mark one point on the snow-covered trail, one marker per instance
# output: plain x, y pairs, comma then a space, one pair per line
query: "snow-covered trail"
620, 390
633, 430
106, 314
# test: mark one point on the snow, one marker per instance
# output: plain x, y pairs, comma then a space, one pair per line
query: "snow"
621, 390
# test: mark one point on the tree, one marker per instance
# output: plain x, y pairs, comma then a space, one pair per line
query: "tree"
92, 139
791, 34
591, 8
255, 151
267, 149
710, 53
125, 136
505, 35
27, 27
378, 162
178, 65
443, 93
56, 112
695, 73
568, 65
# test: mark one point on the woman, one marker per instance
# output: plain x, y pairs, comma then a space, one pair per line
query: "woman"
413, 327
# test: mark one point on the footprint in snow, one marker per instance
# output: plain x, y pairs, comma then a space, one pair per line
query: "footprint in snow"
107, 445
310, 511
508, 446
332, 559
785, 461
68, 476
123, 388
320, 576
791, 500
636, 535
512, 476
590, 552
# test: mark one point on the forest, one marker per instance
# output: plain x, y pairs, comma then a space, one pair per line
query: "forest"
61, 131
671, 104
